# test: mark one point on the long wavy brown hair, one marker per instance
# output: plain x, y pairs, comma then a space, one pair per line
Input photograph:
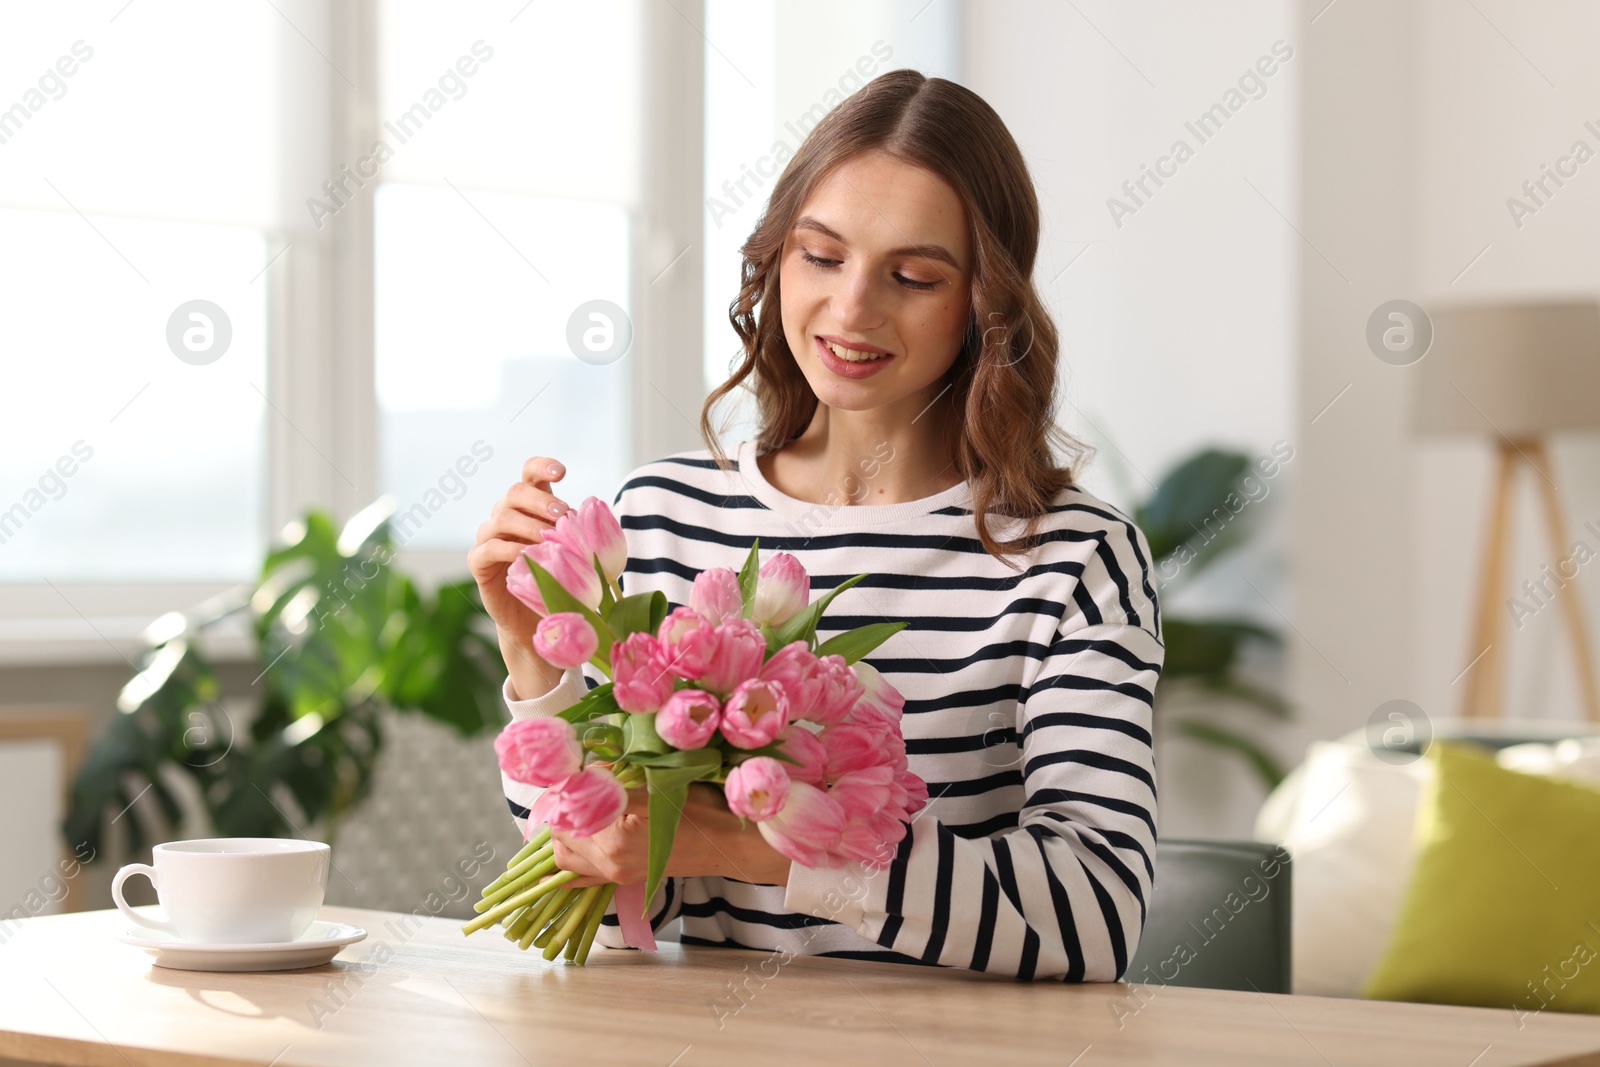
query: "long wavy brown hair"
1000, 423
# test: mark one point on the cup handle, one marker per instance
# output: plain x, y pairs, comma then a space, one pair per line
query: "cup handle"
122, 905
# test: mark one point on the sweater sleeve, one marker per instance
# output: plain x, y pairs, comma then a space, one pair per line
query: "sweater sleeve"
1062, 896
520, 796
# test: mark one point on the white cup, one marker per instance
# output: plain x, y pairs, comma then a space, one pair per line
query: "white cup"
232, 890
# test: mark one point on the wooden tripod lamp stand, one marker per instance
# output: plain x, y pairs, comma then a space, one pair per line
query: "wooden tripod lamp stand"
1517, 372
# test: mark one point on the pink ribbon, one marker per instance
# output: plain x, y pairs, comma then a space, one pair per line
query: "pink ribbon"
629, 902
536, 814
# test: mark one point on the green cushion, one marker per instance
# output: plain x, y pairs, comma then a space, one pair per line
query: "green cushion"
1503, 907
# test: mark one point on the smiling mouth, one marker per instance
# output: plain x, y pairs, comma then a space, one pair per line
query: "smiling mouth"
851, 355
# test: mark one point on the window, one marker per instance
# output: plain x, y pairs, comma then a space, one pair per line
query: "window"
503, 225
135, 181
438, 239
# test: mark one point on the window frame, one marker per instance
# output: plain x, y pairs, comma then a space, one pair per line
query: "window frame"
320, 302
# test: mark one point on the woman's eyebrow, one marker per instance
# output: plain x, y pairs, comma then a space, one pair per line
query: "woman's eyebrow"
927, 251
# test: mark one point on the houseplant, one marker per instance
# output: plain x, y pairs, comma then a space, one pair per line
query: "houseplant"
1203, 654
341, 636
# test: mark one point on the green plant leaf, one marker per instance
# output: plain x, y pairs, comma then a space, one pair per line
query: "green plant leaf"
775, 750
853, 644
1190, 495
556, 598
749, 575
803, 626
640, 737
636, 613
708, 760
607, 597
597, 701
1208, 647
669, 789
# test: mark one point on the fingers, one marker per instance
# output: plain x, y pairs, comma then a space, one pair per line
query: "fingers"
532, 501
542, 470
484, 557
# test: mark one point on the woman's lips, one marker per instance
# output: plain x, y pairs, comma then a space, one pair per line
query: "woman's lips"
846, 369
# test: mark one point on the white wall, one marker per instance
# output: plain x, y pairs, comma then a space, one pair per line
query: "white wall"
1491, 113
1389, 144
1178, 327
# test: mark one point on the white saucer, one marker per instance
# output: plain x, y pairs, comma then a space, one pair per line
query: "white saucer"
319, 944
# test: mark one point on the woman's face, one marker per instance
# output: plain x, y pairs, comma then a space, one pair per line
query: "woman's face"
879, 260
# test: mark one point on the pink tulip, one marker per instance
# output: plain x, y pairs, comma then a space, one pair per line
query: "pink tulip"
574, 574
854, 746
520, 584
807, 828
803, 745
639, 673
757, 788
587, 802
716, 595
738, 655
565, 640
796, 667
916, 792
837, 691
782, 589
689, 642
878, 700
871, 840
754, 714
539, 751
860, 793
602, 533
688, 718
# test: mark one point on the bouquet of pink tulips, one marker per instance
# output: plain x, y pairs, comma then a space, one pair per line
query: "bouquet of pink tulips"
732, 689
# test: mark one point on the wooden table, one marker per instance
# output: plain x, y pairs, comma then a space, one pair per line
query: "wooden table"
417, 992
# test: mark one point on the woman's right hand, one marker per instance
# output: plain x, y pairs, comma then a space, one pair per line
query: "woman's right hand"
518, 519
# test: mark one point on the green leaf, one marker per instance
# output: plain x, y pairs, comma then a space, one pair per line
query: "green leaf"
612, 738
556, 598
1263, 763
707, 761
636, 613
597, 701
607, 598
749, 574
775, 750
669, 789
803, 627
640, 737
1189, 495
853, 644
1208, 647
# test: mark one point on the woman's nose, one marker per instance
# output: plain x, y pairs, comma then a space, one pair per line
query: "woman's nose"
856, 301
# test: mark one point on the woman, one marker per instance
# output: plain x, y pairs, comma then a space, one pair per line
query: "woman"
904, 370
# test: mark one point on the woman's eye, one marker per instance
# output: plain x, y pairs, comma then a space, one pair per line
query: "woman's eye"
909, 283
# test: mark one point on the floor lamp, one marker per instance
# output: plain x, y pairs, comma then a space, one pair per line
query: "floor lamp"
1515, 372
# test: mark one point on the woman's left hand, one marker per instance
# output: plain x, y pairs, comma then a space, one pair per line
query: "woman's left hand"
709, 841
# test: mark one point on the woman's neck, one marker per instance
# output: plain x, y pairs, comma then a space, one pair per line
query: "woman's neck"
850, 457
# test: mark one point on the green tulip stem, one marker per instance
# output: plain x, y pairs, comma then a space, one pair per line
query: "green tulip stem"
595, 914
518, 902
522, 867
552, 907
557, 918
575, 919
521, 882
517, 925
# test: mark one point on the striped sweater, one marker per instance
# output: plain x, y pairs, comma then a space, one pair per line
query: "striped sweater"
1028, 697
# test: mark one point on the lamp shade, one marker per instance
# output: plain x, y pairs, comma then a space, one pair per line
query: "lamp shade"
1521, 369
